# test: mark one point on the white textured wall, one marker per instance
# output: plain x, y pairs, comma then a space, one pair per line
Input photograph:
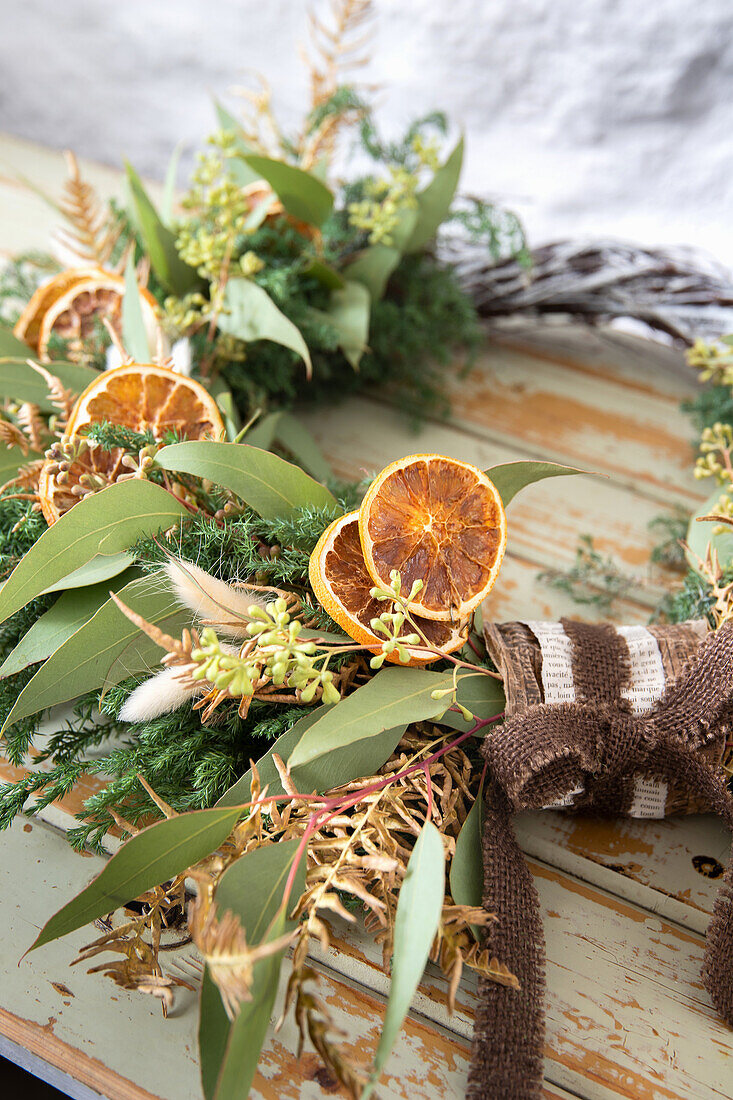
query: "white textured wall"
589, 116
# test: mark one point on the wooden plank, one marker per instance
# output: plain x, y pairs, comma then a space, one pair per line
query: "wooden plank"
565, 413
626, 1012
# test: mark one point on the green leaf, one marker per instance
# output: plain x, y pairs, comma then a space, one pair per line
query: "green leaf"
376, 263
104, 650
373, 267
301, 445
302, 194
12, 347
510, 477
337, 767
252, 887
325, 274
19, 382
416, 924
434, 202
262, 433
273, 487
100, 568
240, 171
214, 1027
11, 459
467, 866
348, 312
250, 314
169, 191
481, 694
225, 400
71, 610
393, 698
229, 1052
702, 533
160, 243
134, 336
102, 523
154, 855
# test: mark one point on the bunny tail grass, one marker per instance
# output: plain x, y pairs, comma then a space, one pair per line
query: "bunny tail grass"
160, 694
212, 599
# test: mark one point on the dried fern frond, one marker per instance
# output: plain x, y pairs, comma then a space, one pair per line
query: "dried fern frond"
62, 398
91, 236
12, 436
34, 427
339, 41
223, 946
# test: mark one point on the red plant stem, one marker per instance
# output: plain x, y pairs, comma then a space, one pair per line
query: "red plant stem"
332, 807
429, 782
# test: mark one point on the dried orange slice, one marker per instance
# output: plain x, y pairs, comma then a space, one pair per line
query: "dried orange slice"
437, 520
70, 304
139, 396
342, 584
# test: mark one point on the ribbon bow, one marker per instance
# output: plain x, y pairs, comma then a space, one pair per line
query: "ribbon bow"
592, 748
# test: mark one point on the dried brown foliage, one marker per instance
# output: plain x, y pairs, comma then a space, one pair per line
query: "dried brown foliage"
90, 235
355, 866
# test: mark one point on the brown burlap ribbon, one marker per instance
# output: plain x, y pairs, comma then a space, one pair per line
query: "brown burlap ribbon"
589, 749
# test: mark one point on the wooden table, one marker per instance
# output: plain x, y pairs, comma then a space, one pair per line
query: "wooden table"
625, 909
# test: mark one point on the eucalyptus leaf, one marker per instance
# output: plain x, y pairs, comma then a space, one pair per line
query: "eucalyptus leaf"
467, 866
134, 336
11, 346
325, 274
240, 171
273, 487
702, 534
373, 267
416, 925
252, 888
510, 477
107, 648
377, 262
250, 314
262, 433
214, 1028
225, 400
159, 241
342, 765
152, 856
101, 568
229, 1052
348, 312
393, 698
103, 523
481, 694
71, 610
19, 382
434, 202
301, 445
302, 194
